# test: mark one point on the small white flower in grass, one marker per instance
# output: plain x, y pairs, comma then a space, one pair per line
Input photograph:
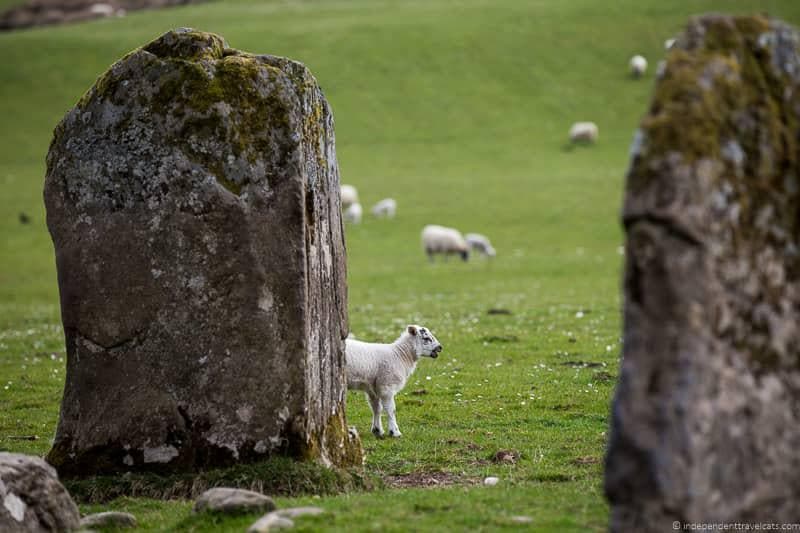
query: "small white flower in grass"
608, 347
428, 378
522, 403
498, 364
579, 314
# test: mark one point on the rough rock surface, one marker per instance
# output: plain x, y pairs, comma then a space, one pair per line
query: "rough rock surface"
192, 198
31, 497
705, 422
228, 500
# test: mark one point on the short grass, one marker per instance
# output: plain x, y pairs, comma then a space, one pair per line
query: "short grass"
459, 110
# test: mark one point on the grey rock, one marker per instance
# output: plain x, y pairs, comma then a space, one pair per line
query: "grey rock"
192, 198
705, 426
270, 522
227, 500
109, 519
32, 499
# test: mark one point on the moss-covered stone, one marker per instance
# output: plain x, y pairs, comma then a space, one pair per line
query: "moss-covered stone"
202, 181
725, 123
704, 420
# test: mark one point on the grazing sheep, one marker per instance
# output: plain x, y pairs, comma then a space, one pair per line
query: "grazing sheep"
442, 240
349, 195
480, 243
381, 370
353, 213
638, 66
585, 132
385, 208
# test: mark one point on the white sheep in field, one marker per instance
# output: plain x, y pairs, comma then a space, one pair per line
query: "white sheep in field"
584, 132
443, 240
638, 66
349, 195
385, 208
480, 243
381, 370
353, 213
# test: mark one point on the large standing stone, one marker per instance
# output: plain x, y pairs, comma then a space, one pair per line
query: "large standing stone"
705, 422
192, 197
31, 497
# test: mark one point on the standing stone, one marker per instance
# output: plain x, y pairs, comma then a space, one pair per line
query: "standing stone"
32, 499
705, 422
192, 198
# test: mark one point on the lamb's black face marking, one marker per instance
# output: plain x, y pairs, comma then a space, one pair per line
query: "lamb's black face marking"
428, 345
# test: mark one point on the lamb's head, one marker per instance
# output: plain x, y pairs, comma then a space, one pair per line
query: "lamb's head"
425, 344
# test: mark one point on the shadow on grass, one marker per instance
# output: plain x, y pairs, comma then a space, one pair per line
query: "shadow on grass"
278, 476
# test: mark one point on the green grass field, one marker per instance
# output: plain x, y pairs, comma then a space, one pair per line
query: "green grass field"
460, 111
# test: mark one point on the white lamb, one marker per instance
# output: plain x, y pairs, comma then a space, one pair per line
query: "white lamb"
585, 132
442, 240
349, 195
353, 213
385, 208
480, 243
638, 65
381, 370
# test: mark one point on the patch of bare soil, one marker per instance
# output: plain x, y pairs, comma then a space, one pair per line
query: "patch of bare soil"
427, 480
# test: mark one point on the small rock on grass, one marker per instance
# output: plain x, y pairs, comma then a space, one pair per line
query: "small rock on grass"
270, 522
294, 512
282, 518
227, 500
108, 519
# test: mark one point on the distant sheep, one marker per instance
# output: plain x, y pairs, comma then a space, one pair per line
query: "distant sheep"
584, 132
385, 208
381, 370
353, 213
638, 66
349, 195
442, 240
480, 243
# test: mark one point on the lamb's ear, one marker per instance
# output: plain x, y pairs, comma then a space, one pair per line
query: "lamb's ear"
412, 330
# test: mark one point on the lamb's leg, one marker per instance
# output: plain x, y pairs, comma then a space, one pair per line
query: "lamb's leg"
375, 404
388, 405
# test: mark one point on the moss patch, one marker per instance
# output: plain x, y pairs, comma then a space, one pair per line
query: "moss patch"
278, 476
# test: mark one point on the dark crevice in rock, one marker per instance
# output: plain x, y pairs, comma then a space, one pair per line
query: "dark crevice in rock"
667, 224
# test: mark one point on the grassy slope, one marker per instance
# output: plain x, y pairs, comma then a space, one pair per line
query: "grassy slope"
459, 110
